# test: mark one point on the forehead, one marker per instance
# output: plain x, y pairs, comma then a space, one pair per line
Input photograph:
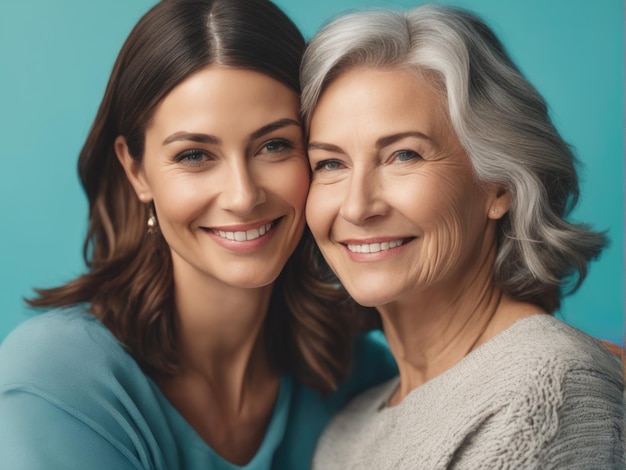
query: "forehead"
381, 98
223, 95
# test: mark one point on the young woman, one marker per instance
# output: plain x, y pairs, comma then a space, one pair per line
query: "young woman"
196, 339
440, 195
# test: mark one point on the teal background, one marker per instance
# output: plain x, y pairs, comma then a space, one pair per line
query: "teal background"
55, 58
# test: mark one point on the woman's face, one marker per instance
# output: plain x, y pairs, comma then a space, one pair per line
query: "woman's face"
393, 203
225, 166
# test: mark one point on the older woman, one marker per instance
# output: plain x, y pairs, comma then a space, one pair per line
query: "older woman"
439, 195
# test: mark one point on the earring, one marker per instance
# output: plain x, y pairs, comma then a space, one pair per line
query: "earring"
152, 222
494, 211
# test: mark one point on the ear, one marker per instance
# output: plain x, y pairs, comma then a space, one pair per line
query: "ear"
499, 201
133, 169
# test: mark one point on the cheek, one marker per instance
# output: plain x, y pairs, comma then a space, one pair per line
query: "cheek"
293, 186
458, 227
183, 195
420, 198
443, 245
446, 195
319, 211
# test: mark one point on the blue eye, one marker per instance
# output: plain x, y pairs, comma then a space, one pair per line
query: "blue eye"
328, 165
191, 157
275, 146
407, 155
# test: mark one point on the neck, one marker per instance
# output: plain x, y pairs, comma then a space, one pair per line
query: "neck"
223, 343
227, 388
220, 330
434, 329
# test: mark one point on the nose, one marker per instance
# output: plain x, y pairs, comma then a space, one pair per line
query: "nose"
364, 198
241, 193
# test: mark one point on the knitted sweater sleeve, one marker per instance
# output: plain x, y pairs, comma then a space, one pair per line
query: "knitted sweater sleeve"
572, 418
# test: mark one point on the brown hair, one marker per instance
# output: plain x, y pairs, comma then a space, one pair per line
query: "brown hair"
129, 283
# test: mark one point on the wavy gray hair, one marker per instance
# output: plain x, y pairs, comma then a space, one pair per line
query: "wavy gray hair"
499, 118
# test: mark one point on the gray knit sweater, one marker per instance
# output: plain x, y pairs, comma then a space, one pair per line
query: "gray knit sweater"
540, 395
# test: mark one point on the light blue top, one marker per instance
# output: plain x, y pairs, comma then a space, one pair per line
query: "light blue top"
72, 398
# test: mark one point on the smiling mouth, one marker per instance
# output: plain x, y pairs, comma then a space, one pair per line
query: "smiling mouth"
376, 247
245, 235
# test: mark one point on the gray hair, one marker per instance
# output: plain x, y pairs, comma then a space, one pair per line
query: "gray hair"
499, 118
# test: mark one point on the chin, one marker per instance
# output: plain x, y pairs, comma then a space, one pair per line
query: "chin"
251, 275
369, 298
254, 282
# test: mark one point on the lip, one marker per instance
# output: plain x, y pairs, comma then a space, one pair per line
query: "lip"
243, 238
375, 248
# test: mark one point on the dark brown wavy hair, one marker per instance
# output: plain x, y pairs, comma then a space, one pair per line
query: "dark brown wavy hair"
129, 283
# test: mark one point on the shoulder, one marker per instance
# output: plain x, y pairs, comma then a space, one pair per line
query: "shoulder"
543, 358
54, 327
560, 394
544, 342
61, 344
65, 370
68, 358
562, 378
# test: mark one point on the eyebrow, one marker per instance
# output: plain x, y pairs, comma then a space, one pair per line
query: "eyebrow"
193, 137
273, 127
380, 143
390, 139
211, 139
323, 146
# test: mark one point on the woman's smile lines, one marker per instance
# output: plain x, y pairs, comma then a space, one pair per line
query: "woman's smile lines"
244, 235
375, 247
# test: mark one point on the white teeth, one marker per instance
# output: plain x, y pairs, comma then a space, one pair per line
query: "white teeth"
248, 235
252, 234
374, 247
